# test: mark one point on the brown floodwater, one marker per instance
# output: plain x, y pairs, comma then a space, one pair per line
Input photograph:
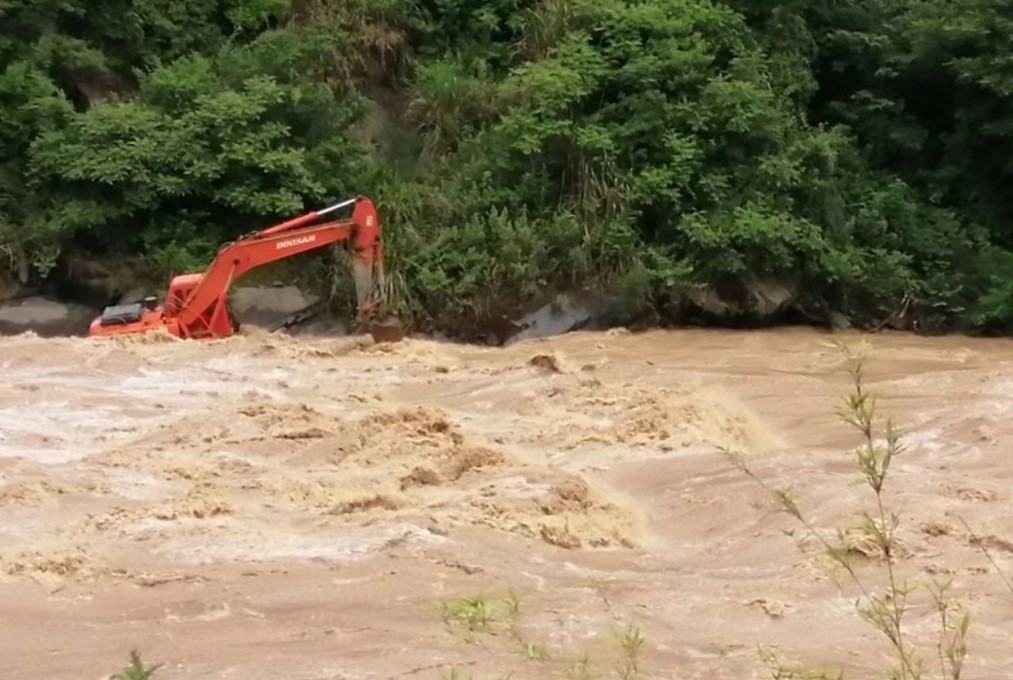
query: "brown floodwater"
266, 507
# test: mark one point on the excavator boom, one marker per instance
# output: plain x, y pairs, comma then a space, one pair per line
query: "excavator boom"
196, 304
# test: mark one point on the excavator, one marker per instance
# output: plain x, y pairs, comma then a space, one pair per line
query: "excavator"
196, 305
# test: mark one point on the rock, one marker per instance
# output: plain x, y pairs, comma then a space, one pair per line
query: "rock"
753, 299
137, 294
319, 327
11, 289
268, 306
45, 317
92, 281
708, 300
562, 315
501, 330
770, 297
839, 321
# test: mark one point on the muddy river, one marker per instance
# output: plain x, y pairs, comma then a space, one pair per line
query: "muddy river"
266, 507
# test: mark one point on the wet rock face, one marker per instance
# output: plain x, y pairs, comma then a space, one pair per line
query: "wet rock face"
268, 306
45, 317
758, 299
10, 288
562, 314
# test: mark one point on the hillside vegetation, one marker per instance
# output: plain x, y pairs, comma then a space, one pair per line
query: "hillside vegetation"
854, 153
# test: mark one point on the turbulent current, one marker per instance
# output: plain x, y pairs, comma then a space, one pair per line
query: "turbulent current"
266, 507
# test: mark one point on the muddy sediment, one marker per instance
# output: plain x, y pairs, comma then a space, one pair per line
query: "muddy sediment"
265, 506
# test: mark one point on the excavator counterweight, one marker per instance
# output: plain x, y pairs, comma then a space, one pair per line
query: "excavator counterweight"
196, 305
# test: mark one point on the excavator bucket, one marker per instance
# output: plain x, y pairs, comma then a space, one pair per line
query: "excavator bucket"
369, 289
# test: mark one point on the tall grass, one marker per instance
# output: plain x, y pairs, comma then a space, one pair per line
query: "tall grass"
886, 608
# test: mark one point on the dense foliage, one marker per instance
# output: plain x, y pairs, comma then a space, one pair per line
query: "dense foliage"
854, 154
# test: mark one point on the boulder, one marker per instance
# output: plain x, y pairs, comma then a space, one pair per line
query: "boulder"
838, 321
707, 300
769, 297
564, 314
138, 293
268, 306
12, 289
45, 317
758, 299
318, 326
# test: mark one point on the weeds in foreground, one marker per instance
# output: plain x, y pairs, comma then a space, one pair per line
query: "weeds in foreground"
473, 614
500, 620
479, 614
631, 641
534, 651
136, 670
877, 531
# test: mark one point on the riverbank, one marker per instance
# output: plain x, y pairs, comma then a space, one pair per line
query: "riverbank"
277, 306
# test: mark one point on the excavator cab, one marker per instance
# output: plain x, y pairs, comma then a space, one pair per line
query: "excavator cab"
128, 313
134, 317
118, 315
180, 289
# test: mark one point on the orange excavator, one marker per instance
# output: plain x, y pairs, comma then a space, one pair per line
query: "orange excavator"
196, 305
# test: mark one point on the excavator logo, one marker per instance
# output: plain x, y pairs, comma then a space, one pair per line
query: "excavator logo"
293, 242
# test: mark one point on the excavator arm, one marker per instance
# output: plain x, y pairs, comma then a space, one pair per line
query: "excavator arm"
199, 310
